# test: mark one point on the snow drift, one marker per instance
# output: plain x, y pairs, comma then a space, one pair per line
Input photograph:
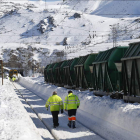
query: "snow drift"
116, 112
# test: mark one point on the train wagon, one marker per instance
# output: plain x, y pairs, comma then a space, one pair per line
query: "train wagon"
131, 73
69, 75
13, 73
46, 74
82, 71
59, 73
52, 75
107, 73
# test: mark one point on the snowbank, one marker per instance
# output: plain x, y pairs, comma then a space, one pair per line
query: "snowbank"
15, 123
63, 132
124, 115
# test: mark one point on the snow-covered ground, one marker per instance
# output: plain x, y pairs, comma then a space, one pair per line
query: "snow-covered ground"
15, 123
112, 119
63, 131
97, 117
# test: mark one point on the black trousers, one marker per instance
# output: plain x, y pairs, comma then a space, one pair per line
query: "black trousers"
72, 112
55, 117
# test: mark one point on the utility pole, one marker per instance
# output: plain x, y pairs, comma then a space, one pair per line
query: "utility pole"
114, 29
45, 6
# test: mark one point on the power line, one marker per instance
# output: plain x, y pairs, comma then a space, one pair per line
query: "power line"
96, 44
73, 35
72, 27
69, 26
68, 13
60, 8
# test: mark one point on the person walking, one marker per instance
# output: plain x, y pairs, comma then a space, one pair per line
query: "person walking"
55, 102
13, 78
71, 104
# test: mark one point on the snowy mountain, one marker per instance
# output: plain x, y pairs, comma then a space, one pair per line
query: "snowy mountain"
66, 27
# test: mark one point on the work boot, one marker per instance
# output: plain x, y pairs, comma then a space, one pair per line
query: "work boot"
54, 126
73, 124
57, 125
69, 124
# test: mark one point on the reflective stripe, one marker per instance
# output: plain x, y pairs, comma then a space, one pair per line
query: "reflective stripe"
73, 118
70, 118
71, 103
47, 103
54, 104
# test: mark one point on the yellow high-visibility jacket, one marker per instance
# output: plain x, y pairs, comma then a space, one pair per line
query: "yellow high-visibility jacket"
71, 102
13, 79
55, 102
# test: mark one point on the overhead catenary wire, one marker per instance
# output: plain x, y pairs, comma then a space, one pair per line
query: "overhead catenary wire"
72, 27
74, 35
80, 29
60, 8
68, 13
62, 35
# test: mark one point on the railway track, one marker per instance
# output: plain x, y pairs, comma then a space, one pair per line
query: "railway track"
40, 122
37, 105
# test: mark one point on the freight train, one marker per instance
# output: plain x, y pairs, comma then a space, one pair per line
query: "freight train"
114, 72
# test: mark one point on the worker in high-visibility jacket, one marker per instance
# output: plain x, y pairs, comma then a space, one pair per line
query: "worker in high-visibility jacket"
71, 104
55, 102
13, 78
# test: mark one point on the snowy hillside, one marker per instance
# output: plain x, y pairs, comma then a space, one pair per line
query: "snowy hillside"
70, 26
111, 8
